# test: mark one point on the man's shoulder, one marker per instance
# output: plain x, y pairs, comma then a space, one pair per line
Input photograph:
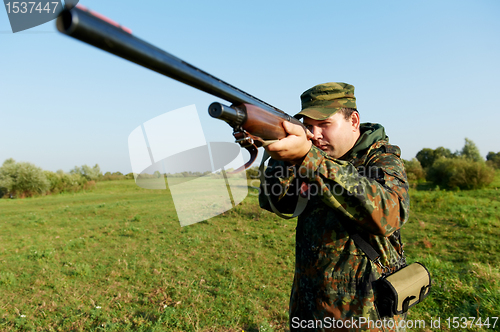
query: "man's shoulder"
378, 148
380, 154
383, 146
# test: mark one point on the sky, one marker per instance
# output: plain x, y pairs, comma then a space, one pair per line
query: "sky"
426, 70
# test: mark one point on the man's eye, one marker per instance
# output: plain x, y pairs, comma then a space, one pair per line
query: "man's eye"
309, 127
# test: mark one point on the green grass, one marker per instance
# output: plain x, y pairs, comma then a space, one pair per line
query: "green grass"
456, 235
116, 259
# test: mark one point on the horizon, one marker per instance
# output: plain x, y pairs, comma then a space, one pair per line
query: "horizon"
420, 70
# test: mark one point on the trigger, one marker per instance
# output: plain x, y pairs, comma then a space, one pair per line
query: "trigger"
252, 149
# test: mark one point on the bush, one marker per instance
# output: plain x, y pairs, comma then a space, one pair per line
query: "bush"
427, 156
90, 173
155, 175
253, 172
108, 176
64, 182
414, 171
22, 179
493, 159
460, 173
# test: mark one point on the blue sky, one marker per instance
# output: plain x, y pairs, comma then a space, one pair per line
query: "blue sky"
427, 71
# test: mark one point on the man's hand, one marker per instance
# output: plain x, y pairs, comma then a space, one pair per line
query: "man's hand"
294, 147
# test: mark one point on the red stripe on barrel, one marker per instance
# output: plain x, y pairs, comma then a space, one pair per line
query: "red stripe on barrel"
104, 18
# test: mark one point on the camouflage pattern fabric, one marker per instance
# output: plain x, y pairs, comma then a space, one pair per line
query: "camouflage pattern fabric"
323, 100
368, 191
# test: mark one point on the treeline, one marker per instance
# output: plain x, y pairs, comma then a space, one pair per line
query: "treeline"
464, 169
24, 179
188, 174
228, 173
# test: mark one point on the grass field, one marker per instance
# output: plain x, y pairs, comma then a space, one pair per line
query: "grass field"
116, 259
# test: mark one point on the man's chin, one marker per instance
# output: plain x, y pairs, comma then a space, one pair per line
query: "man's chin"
327, 149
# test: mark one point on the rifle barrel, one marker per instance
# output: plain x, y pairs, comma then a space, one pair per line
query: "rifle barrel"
80, 24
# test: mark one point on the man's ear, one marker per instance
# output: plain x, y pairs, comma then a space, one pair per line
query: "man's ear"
355, 120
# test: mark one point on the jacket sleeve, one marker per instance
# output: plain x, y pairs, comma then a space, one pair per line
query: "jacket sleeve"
280, 186
374, 196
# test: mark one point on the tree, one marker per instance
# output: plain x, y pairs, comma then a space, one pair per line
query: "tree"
90, 173
441, 152
427, 156
470, 151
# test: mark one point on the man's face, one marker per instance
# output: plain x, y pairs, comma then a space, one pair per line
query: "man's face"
335, 135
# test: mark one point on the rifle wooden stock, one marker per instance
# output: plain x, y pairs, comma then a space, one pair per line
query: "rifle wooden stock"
261, 125
253, 120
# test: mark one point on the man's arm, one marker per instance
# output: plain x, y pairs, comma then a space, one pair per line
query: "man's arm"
281, 186
377, 203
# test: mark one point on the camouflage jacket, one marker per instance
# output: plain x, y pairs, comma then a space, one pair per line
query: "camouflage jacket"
368, 191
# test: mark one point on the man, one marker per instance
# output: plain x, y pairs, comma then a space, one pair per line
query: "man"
353, 179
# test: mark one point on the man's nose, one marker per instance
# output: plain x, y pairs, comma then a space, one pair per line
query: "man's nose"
316, 132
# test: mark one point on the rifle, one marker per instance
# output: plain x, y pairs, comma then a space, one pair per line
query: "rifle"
255, 123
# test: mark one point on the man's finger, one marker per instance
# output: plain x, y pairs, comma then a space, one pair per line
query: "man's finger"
292, 129
276, 146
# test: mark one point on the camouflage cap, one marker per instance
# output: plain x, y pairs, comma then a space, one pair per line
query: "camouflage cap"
323, 100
